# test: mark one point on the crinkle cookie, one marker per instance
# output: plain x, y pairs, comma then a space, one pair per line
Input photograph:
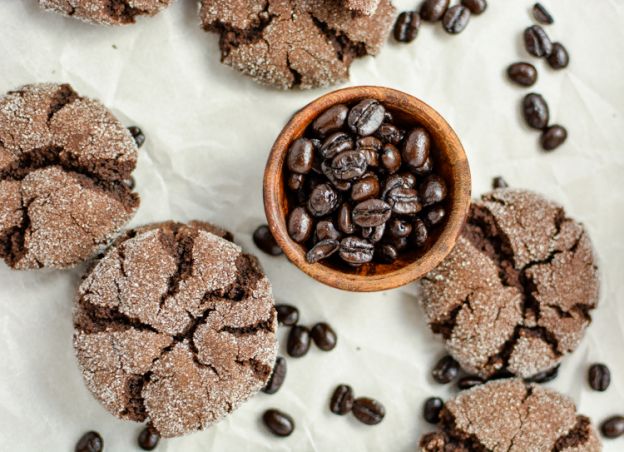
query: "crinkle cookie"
109, 12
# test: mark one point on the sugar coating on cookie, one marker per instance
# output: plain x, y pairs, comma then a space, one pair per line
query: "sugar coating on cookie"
109, 12
515, 294
175, 325
295, 43
63, 162
366, 7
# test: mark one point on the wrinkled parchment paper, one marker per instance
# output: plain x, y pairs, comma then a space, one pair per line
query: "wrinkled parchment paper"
208, 134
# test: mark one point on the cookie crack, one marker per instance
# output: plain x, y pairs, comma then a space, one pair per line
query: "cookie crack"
346, 49
182, 250
577, 436
64, 96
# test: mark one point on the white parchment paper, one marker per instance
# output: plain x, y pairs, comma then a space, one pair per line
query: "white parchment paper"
208, 134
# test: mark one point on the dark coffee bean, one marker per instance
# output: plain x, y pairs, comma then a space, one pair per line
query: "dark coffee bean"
90, 442
278, 422
324, 336
341, 400
371, 213
432, 190
322, 250
542, 15
535, 110
475, 6
295, 181
369, 142
392, 182
130, 183
369, 411
287, 315
365, 188
553, 137
435, 215
345, 223
390, 158
399, 228
323, 200
522, 73
137, 134
148, 438
409, 179
499, 182
265, 241
456, 19
328, 172
372, 158
355, 250
469, 382
399, 243
599, 377
406, 26
420, 232
404, 201
445, 370
546, 376
537, 42
298, 341
300, 156
349, 165
331, 120
425, 169
432, 408
276, 380
389, 133
377, 233
335, 144
326, 230
387, 253
613, 427
558, 58
366, 117
416, 148
433, 10
300, 225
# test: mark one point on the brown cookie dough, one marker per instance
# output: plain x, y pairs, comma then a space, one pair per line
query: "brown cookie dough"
294, 43
63, 163
109, 12
516, 292
511, 416
175, 325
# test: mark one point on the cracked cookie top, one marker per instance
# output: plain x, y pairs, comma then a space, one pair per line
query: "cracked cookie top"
63, 163
175, 325
511, 416
516, 292
109, 12
295, 43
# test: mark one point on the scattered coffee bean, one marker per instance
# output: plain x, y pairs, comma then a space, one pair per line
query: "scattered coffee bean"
535, 110
416, 149
276, 380
469, 382
522, 73
342, 400
433, 10
613, 427
546, 376
432, 190
265, 241
300, 225
475, 6
499, 182
553, 137
324, 336
369, 411
356, 251
323, 200
287, 315
406, 26
387, 253
366, 117
537, 42
300, 156
542, 15
456, 19
558, 58
90, 442
298, 341
326, 230
432, 408
278, 422
435, 215
137, 134
599, 377
148, 438
445, 370
420, 232
331, 120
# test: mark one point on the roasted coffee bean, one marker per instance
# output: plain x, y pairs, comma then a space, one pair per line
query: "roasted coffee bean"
416, 148
432, 190
399, 243
355, 250
276, 380
335, 144
366, 117
148, 438
409, 180
558, 58
137, 134
435, 215
432, 408
326, 230
298, 342
390, 158
546, 376
372, 157
369, 411
406, 26
420, 232
322, 250
425, 169
469, 382
542, 15
433, 10
324, 336
365, 188
387, 253
522, 73
553, 137
369, 142
323, 200
613, 427
371, 213
300, 225
328, 172
341, 401
456, 19
475, 6
535, 111
90, 442
265, 241
404, 201
295, 181
349, 165
499, 182
278, 422
287, 315
599, 377
300, 156
537, 42
345, 223
331, 120
392, 182
389, 133
445, 370
399, 228
377, 233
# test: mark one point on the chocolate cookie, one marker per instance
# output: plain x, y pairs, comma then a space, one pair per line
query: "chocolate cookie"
366, 7
63, 163
294, 43
109, 12
175, 325
516, 292
510, 415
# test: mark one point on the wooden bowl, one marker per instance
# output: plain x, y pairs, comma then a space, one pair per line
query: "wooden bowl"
449, 161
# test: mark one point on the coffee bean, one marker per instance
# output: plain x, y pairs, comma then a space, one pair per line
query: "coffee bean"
404, 201
392, 182
278, 422
445, 370
537, 42
542, 15
545, 376
276, 380
599, 377
287, 315
613, 427
399, 243
390, 158
328, 172
432, 408
535, 110
148, 438
553, 137
137, 134
326, 230
420, 232
331, 120
335, 144
387, 253
90, 442
355, 250
300, 156
389, 133
323, 200
370, 213
406, 26
409, 179
522, 73
469, 382
377, 233
475, 6
399, 228
324, 336
322, 250
349, 165
433, 10
341, 401
365, 188
369, 411
435, 215
298, 342
425, 169
300, 225
369, 142
295, 181
366, 117
265, 241
558, 58
499, 182
432, 190
456, 19
416, 148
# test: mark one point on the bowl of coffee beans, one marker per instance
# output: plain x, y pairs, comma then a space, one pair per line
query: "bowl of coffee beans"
366, 188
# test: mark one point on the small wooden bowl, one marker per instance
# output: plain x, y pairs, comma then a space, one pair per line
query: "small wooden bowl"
449, 161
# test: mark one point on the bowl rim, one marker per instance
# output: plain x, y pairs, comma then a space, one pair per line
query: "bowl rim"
402, 275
